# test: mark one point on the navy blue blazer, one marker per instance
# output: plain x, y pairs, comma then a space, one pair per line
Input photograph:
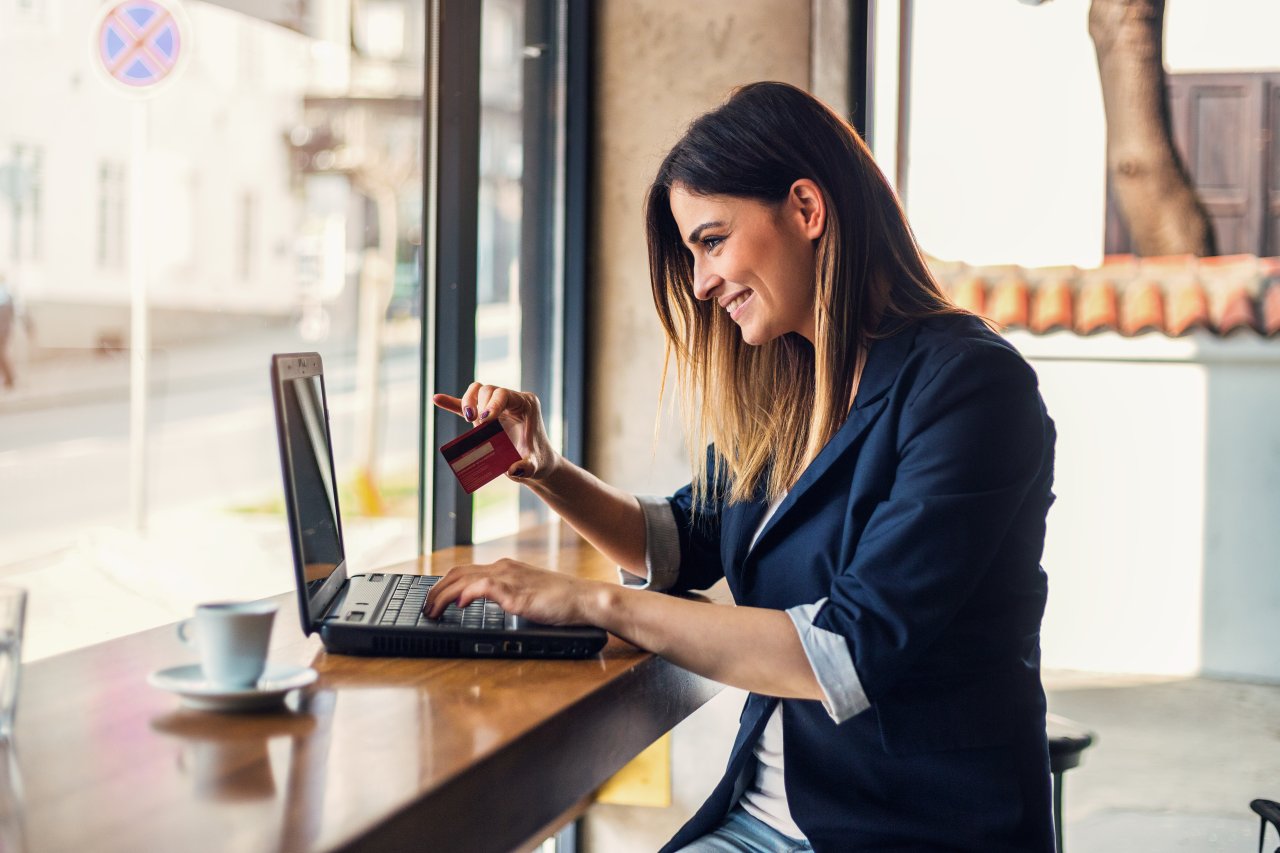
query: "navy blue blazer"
922, 523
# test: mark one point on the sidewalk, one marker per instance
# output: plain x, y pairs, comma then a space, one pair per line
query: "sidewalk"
66, 377
1174, 764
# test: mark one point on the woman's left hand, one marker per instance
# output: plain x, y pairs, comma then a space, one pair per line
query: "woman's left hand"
538, 594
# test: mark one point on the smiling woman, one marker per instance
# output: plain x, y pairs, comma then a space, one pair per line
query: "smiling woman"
874, 490
824, 252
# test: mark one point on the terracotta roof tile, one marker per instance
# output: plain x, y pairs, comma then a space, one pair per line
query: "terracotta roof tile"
1098, 308
1189, 310
1051, 307
1271, 309
1171, 262
1249, 262
970, 293
1010, 304
1237, 313
1142, 309
1172, 295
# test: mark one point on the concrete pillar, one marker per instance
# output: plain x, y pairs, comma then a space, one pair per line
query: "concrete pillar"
660, 64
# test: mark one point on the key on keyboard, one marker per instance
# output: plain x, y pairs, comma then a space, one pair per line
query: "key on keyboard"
410, 593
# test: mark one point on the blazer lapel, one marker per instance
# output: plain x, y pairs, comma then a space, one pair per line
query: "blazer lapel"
884, 362
738, 524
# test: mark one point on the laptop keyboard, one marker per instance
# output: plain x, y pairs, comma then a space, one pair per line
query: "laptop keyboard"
405, 608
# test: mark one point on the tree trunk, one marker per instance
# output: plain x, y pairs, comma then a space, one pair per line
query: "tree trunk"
1150, 183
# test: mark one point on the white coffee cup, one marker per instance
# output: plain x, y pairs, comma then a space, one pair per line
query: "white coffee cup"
232, 638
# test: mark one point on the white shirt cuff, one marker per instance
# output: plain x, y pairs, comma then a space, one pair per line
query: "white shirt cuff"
828, 654
661, 547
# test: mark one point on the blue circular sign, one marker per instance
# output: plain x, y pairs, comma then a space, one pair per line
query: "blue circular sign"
139, 43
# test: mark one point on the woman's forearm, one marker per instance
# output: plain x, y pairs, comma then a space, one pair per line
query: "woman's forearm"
607, 517
753, 648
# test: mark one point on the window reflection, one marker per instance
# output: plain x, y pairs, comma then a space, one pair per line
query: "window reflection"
279, 195
496, 508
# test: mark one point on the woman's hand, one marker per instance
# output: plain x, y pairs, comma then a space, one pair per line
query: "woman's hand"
520, 413
543, 596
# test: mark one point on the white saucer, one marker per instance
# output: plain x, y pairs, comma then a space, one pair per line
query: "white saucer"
198, 693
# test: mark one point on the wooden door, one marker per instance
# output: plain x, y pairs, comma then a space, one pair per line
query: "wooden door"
1223, 125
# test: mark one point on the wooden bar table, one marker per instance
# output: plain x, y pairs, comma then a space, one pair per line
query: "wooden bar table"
379, 754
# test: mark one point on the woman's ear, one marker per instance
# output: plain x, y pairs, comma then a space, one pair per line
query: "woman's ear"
810, 207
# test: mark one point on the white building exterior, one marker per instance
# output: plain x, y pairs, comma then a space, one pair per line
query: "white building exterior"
221, 213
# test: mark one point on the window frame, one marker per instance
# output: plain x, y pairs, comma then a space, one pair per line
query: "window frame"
553, 233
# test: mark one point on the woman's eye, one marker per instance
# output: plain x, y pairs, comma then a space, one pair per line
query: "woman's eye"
709, 243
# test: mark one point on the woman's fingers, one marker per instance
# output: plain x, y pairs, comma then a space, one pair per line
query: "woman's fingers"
461, 585
497, 402
469, 410
449, 404
445, 592
483, 402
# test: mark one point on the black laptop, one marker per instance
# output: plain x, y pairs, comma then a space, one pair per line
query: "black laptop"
377, 613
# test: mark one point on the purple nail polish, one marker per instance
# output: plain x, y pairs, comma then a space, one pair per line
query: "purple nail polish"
469, 413
521, 472
484, 414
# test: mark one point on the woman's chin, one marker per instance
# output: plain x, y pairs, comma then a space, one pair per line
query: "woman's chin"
755, 337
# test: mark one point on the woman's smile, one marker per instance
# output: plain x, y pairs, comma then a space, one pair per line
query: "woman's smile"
735, 304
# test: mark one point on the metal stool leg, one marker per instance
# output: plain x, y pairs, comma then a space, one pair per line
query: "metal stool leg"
1057, 809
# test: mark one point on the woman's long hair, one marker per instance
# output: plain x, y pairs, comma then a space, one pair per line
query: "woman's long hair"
769, 409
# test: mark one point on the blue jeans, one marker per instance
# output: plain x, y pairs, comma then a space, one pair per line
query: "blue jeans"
742, 833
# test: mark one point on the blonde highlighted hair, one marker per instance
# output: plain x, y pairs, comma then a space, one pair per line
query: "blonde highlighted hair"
768, 410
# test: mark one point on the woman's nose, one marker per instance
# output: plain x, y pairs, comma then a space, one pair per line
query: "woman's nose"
704, 282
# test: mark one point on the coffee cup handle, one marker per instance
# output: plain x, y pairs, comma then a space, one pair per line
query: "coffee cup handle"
185, 632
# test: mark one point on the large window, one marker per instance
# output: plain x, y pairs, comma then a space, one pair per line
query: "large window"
293, 187
266, 199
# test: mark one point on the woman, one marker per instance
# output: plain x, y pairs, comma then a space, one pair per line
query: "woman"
875, 491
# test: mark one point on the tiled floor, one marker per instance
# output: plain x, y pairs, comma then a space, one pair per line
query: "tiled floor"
1174, 765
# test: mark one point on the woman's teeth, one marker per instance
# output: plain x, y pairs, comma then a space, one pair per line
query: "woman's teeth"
737, 303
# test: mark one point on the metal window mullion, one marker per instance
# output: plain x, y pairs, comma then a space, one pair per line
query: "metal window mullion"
577, 172
453, 253
539, 284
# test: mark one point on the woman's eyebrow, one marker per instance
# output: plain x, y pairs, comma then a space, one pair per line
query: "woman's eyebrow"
697, 232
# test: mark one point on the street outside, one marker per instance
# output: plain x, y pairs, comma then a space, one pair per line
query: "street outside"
214, 525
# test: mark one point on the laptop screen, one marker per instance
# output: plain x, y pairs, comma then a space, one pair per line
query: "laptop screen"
311, 498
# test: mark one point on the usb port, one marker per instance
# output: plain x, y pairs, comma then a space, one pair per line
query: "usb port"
512, 646
484, 648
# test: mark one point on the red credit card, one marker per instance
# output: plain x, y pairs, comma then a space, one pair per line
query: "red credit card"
479, 455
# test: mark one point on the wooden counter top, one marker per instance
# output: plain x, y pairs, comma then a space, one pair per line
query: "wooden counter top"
379, 754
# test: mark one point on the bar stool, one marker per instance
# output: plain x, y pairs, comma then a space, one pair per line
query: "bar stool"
1067, 741
1269, 811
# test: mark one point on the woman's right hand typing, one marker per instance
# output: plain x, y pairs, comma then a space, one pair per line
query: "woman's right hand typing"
520, 414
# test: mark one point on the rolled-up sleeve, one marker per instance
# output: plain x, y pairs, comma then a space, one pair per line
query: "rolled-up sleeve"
661, 547
828, 654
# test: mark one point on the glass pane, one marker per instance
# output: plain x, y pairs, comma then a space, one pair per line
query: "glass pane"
521, 229
266, 199
496, 506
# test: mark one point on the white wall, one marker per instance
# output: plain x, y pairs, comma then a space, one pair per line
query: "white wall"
1162, 546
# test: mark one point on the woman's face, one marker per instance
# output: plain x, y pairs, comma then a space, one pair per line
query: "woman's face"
755, 260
